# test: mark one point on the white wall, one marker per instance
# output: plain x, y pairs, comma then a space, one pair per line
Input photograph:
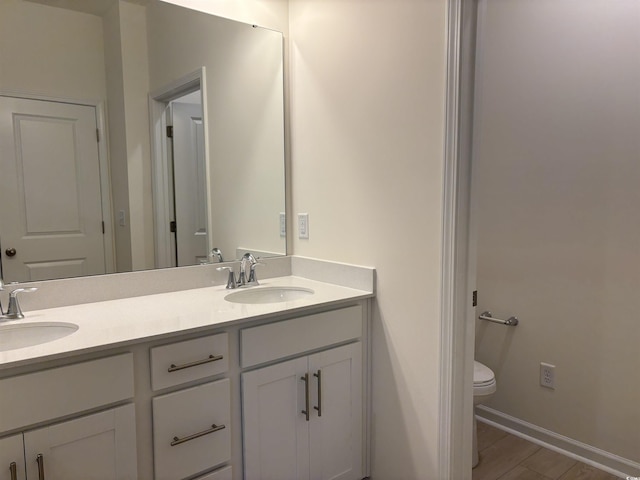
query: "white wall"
367, 129
50, 51
557, 169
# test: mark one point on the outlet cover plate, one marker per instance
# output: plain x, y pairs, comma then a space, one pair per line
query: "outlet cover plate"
547, 375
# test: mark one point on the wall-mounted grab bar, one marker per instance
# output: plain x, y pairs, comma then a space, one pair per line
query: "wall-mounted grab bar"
510, 322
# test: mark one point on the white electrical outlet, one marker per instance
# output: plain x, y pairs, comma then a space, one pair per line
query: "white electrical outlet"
547, 375
283, 224
303, 225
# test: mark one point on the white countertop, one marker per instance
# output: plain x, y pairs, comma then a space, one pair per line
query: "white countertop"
118, 322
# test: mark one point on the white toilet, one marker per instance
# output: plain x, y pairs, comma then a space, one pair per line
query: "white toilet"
484, 385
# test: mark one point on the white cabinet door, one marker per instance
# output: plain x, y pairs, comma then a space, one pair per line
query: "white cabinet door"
280, 442
12, 457
97, 447
276, 435
335, 432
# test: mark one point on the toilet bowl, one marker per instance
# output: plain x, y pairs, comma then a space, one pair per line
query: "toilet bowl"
484, 386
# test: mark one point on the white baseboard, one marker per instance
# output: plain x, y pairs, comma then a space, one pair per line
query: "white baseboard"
593, 456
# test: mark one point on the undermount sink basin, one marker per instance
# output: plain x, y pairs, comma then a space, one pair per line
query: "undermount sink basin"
269, 295
20, 335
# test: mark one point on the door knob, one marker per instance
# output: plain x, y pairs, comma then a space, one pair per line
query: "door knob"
10, 252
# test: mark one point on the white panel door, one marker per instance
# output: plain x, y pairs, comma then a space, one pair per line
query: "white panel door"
275, 431
49, 190
335, 432
97, 447
190, 193
12, 458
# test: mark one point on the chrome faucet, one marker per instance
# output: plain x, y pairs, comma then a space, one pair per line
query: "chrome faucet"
14, 312
243, 280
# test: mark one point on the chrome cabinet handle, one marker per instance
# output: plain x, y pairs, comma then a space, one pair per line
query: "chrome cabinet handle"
318, 375
40, 460
210, 358
214, 428
13, 468
305, 379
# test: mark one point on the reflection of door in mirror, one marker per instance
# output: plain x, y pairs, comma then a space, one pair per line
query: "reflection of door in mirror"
188, 171
51, 217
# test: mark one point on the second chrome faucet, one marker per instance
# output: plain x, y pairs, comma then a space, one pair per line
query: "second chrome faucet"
243, 280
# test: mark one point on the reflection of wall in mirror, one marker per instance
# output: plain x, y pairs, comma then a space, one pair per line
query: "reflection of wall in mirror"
273, 14
244, 95
80, 56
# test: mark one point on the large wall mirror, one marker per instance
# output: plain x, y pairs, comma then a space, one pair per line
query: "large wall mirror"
136, 135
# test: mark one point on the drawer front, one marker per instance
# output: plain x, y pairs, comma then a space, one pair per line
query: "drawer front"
45, 395
292, 337
222, 474
183, 362
191, 430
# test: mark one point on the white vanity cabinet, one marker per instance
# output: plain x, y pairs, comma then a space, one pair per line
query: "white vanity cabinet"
191, 426
12, 458
99, 445
303, 418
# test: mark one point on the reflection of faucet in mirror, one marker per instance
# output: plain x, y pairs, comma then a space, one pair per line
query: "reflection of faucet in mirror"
216, 253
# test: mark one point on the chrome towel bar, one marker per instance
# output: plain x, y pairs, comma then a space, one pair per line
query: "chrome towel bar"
510, 322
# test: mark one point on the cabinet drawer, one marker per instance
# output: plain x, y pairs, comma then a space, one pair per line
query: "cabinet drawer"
222, 474
292, 337
191, 430
48, 394
183, 362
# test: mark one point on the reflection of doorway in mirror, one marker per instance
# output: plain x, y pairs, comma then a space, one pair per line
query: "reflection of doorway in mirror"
187, 171
51, 221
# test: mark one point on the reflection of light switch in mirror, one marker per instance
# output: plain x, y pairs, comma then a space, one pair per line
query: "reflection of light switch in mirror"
303, 225
283, 224
122, 219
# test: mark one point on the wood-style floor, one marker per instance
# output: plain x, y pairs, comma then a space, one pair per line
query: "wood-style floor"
506, 457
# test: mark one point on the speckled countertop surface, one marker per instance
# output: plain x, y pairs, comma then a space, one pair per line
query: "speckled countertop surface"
115, 323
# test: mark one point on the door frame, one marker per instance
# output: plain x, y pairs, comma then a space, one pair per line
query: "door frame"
458, 248
158, 101
103, 158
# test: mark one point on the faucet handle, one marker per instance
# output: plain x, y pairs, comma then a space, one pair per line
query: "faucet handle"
13, 310
253, 280
231, 279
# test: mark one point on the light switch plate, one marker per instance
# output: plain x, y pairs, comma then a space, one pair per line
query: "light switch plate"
303, 225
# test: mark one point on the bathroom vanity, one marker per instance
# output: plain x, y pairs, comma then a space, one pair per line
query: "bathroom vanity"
190, 384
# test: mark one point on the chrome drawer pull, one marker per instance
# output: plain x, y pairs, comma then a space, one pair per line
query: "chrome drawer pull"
40, 460
306, 410
210, 358
214, 428
319, 377
13, 468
